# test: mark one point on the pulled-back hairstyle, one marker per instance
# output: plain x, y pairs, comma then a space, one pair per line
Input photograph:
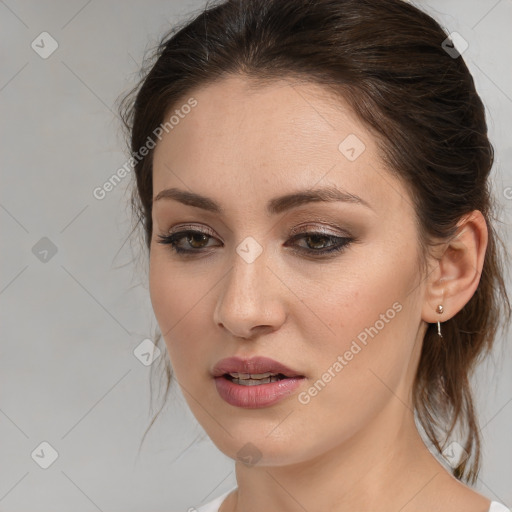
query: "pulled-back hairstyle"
388, 60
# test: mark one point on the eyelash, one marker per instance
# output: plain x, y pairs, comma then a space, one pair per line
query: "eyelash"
172, 241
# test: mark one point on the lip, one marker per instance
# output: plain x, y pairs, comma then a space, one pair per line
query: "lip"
254, 365
255, 397
261, 395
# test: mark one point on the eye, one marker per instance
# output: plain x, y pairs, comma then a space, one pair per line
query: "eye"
194, 238
318, 244
322, 243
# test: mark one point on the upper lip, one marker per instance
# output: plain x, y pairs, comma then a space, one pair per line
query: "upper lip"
254, 365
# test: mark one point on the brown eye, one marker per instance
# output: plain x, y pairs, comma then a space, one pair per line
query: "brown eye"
196, 237
317, 244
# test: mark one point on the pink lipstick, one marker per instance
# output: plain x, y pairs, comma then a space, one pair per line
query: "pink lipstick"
256, 382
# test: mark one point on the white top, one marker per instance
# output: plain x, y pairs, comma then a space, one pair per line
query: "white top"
214, 505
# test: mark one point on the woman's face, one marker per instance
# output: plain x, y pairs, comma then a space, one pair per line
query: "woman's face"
254, 283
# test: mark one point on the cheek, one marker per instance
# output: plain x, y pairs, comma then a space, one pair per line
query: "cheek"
162, 293
178, 309
168, 298
359, 378
368, 347
172, 291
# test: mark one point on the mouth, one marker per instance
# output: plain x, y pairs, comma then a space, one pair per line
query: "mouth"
254, 379
253, 371
255, 383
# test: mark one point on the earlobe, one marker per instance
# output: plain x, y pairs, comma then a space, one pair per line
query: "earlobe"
457, 274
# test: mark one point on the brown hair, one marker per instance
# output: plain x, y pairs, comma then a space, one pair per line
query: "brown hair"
386, 58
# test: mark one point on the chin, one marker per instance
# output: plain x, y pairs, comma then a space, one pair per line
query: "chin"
259, 450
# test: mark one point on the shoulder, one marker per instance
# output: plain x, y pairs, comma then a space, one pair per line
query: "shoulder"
456, 495
214, 505
498, 507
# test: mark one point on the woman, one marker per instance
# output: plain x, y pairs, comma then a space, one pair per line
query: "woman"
312, 180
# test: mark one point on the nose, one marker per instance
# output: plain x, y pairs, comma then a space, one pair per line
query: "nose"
251, 300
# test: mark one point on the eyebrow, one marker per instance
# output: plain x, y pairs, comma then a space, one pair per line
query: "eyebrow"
275, 206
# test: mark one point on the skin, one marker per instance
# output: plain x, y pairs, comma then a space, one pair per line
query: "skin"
354, 446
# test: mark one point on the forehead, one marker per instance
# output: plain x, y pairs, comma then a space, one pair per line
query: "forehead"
234, 115
251, 141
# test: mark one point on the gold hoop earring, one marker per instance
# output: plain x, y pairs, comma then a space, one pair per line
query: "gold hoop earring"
439, 310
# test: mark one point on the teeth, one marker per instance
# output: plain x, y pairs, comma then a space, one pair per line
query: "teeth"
256, 382
254, 379
252, 375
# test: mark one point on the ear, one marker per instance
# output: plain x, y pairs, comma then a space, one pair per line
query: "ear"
457, 270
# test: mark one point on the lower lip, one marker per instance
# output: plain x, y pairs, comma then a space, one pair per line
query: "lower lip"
254, 397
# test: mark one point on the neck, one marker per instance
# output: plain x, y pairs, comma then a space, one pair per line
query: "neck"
381, 468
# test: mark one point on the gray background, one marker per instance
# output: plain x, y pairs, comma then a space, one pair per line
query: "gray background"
70, 323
